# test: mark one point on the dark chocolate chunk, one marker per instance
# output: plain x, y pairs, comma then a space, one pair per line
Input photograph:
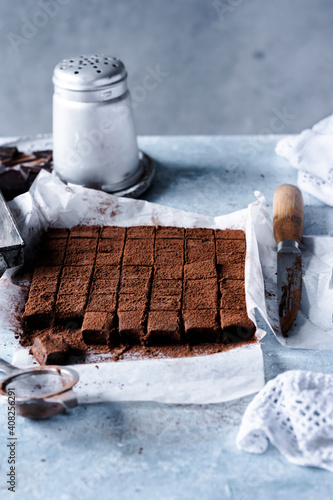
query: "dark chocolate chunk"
50, 349
201, 326
98, 327
163, 327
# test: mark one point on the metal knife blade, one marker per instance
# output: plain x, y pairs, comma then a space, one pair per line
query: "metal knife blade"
289, 280
288, 221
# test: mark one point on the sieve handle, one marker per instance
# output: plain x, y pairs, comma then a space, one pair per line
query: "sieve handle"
6, 367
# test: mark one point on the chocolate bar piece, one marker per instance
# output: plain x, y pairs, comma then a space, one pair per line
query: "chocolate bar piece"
201, 326
70, 308
38, 312
169, 232
50, 349
200, 294
98, 327
236, 325
131, 326
138, 232
113, 232
163, 327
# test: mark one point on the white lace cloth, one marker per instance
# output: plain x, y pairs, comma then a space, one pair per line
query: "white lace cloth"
294, 412
312, 153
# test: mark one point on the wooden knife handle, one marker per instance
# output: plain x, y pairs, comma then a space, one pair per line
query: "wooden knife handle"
288, 213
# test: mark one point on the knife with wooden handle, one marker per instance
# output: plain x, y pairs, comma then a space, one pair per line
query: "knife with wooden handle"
288, 222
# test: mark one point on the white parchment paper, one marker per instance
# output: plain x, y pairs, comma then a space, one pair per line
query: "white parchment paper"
201, 379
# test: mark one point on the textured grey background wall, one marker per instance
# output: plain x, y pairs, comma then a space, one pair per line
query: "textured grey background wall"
225, 66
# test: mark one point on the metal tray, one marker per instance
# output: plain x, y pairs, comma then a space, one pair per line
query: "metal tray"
11, 242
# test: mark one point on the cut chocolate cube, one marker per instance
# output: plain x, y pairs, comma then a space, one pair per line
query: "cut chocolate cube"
138, 252
38, 312
232, 288
132, 301
109, 245
102, 303
169, 232
201, 326
135, 272
113, 232
85, 232
230, 251
236, 326
199, 250
40, 285
199, 233
81, 245
98, 327
139, 285
46, 272
104, 286
141, 232
131, 326
52, 252
168, 272
169, 252
229, 234
108, 259
106, 272
235, 270
199, 270
73, 286
77, 272
50, 349
200, 294
70, 308
80, 259
163, 327
166, 295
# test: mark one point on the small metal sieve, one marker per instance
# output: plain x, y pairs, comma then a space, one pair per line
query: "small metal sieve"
40, 391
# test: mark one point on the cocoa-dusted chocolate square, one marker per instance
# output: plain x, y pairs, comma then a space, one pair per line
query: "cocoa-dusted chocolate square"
200, 294
102, 302
169, 232
113, 232
108, 259
46, 272
106, 272
52, 252
138, 252
57, 232
135, 272
108, 245
236, 326
138, 285
141, 232
131, 326
77, 272
230, 251
229, 234
42, 285
199, 250
85, 232
50, 349
166, 295
199, 233
38, 312
73, 286
231, 270
136, 301
232, 288
101, 286
201, 326
98, 327
70, 308
200, 269
80, 259
81, 245
163, 327
169, 252
168, 272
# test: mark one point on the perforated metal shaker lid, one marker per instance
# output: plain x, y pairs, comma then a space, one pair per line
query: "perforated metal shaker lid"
91, 73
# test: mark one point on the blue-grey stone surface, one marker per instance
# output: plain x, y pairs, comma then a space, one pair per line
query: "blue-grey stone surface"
153, 451
229, 66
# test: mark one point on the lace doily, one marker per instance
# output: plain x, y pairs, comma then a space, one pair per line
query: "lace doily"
294, 412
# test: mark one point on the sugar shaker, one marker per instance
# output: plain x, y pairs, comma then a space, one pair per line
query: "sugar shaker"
94, 138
